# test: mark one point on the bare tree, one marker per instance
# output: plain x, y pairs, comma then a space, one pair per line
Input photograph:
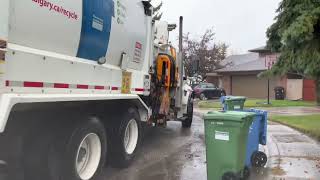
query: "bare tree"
203, 55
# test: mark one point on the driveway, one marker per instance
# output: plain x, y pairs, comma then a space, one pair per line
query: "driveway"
293, 111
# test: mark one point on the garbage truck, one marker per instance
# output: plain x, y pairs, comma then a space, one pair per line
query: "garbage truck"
80, 80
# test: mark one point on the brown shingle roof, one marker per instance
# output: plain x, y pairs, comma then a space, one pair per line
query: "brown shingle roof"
244, 63
257, 65
262, 49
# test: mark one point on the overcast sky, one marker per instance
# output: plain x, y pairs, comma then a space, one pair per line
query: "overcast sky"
240, 23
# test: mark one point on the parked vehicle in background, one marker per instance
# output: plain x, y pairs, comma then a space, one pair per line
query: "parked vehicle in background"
205, 91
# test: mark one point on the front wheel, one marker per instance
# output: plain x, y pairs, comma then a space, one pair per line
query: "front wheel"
188, 121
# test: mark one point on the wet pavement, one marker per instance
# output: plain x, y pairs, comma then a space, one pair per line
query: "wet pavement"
293, 111
170, 153
174, 153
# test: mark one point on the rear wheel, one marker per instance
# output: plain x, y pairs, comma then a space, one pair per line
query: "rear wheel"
88, 156
75, 153
125, 138
85, 151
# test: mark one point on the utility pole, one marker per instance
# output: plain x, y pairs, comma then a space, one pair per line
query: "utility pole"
268, 90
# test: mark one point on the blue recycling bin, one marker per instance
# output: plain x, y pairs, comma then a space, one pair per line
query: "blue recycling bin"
257, 134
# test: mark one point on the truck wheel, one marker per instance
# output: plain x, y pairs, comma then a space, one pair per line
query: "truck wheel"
78, 153
188, 121
85, 151
125, 139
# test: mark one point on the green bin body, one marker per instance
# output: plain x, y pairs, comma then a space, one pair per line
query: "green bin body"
232, 103
226, 135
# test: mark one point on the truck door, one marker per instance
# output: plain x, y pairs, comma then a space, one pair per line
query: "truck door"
96, 26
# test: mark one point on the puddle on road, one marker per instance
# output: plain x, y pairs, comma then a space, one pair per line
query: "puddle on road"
187, 164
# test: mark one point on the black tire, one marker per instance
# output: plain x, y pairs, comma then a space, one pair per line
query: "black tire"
203, 97
36, 157
188, 121
119, 157
53, 155
246, 173
223, 93
230, 176
259, 159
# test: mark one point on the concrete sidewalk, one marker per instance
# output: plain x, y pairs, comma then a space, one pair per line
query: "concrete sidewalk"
291, 154
293, 111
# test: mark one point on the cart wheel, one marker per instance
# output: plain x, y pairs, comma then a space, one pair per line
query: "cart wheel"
259, 159
246, 173
230, 176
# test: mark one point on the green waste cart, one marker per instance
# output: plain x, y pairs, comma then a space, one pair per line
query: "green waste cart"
226, 135
233, 102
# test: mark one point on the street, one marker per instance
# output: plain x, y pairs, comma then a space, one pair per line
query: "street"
174, 153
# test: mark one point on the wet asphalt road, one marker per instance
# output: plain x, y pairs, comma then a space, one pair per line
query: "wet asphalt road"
171, 153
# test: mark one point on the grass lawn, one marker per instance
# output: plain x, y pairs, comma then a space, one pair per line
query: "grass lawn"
309, 124
250, 103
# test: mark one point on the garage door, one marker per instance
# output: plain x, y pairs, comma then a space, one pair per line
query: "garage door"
252, 87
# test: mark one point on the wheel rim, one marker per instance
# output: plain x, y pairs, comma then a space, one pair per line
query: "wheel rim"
203, 97
131, 136
88, 156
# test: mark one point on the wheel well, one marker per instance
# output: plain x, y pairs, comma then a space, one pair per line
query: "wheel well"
32, 117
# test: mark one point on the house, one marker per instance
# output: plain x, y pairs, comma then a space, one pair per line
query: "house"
240, 77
